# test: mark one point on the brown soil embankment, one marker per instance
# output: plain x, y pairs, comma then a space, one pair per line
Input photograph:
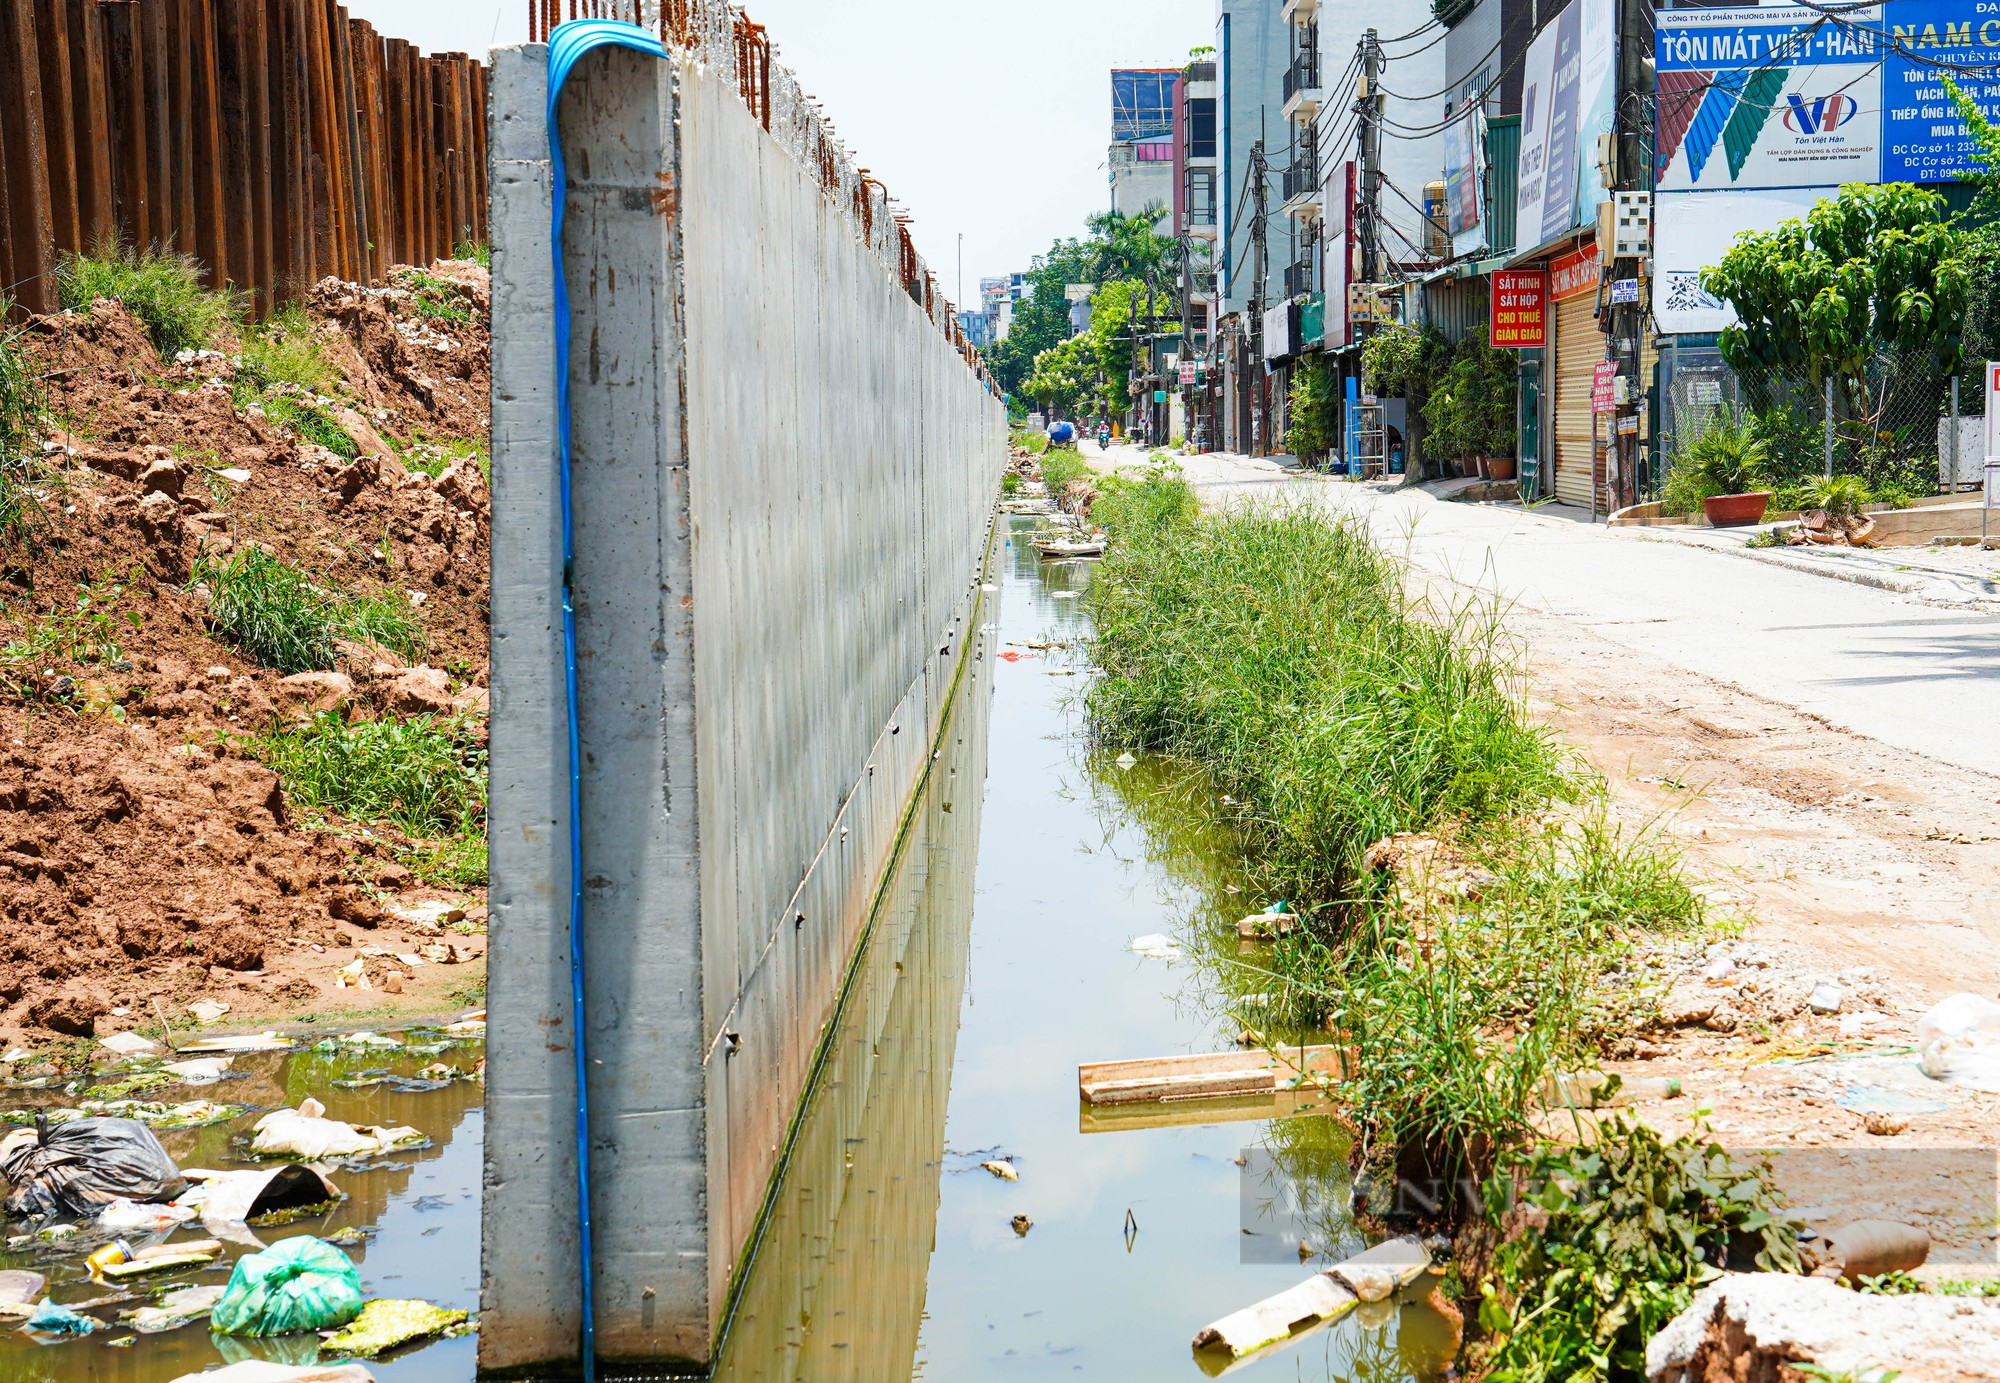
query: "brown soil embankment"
145, 853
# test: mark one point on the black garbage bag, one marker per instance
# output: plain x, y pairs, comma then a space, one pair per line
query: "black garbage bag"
83, 1165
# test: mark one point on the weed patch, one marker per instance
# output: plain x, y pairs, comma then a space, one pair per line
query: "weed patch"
1281, 651
20, 410
431, 455
159, 287
283, 351
68, 638
1603, 1244
425, 775
435, 298
279, 616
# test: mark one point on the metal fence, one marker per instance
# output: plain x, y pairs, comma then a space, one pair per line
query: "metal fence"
278, 141
1889, 423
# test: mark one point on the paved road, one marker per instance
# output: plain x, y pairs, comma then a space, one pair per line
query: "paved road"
1917, 677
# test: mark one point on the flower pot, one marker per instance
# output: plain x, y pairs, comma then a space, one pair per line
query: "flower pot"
1734, 511
1468, 467
1499, 468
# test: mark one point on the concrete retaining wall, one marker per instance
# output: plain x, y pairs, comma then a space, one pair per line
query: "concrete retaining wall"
783, 477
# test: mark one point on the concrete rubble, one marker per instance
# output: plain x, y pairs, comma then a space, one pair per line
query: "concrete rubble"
1747, 1325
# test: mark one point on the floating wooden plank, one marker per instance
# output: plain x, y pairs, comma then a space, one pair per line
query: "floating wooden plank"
1323, 1297
1193, 1112
1207, 1075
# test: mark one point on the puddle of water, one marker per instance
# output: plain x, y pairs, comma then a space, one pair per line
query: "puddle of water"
892, 1254
422, 1205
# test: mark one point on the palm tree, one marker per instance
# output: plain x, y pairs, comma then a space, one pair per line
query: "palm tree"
1128, 247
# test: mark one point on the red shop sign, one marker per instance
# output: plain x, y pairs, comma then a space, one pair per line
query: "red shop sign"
1519, 315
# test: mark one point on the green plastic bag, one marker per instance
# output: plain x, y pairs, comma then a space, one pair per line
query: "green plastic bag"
295, 1285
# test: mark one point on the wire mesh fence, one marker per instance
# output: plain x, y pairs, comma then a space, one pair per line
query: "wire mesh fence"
1889, 423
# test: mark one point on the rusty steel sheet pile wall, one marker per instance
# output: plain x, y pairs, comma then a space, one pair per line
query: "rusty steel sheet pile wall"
277, 141
784, 462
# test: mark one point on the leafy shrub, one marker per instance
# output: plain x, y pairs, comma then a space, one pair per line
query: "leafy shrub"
159, 287
1726, 457
1839, 496
1609, 1241
1314, 415
427, 775
276, 614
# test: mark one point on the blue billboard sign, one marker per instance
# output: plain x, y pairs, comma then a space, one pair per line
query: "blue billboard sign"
1778, 96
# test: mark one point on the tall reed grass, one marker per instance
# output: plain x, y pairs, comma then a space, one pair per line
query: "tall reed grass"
1288, 655
1283, 651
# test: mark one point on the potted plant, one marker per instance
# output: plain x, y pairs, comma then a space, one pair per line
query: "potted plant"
1723, 470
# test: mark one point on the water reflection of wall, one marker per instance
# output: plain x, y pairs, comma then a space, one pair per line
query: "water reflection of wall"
837, 1288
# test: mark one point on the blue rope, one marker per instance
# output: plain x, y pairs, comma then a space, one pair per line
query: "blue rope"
567, 45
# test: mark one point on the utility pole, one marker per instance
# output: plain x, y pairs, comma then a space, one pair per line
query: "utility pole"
1259, 258
1368, 107
1631, 171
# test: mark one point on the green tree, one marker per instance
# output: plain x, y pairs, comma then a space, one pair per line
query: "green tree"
1093, 371
1041, 319
1118, 248
1873, 268
1128, 247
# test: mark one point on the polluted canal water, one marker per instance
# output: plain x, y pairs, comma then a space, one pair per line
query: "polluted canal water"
1000, 959
409, 1220
1003, 960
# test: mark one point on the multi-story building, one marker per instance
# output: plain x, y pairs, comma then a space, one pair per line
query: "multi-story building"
1197, 197
1253, 55
1141, 156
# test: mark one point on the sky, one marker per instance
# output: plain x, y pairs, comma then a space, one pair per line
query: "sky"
986, 118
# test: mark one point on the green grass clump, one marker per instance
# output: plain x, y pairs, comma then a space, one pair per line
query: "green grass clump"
435, 298
282, 370
478, 251
425, 775
20, 401
161, 288
279, 616
431, 456
20, 411
1460, 1010
457, 861
284, 350
1282, 651
310, 422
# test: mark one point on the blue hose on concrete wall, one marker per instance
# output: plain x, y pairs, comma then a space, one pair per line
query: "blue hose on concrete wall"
567, 45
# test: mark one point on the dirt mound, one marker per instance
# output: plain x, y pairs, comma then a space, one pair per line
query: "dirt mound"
143, 853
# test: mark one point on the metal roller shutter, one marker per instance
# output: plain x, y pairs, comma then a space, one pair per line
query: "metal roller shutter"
1579, 348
